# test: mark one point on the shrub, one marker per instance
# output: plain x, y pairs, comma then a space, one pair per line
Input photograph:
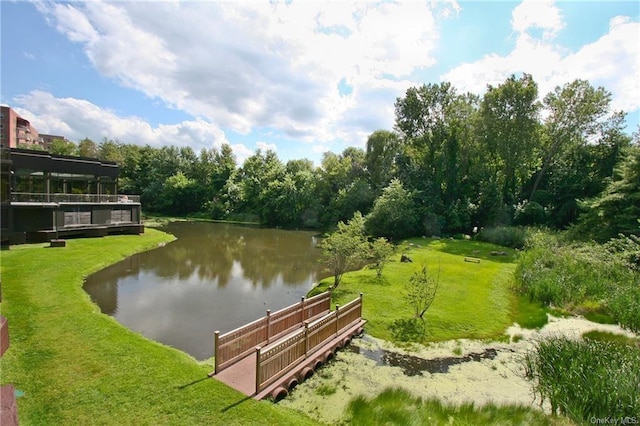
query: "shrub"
529, 213
586, 379
507, 236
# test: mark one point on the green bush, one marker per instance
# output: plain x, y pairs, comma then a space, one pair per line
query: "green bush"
506, 236
586, 379
530, 213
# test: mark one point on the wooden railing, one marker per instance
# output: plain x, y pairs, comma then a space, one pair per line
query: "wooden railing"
273, 360
238, 343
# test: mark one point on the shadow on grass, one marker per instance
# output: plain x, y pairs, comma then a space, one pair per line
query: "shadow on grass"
192, 383
408, 330
235, 404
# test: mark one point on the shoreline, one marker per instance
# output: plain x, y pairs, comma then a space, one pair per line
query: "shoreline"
498, 378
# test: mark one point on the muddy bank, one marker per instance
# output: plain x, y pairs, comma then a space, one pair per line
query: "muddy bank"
453, 371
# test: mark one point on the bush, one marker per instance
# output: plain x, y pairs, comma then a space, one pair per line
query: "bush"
530, 213
586, 379
507, 236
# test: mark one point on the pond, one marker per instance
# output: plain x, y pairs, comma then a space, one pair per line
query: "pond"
213, 277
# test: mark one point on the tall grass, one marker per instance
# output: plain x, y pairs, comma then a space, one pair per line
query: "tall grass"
579, 277
399, 407
586, 379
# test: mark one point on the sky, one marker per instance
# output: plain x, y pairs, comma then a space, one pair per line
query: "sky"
297, 77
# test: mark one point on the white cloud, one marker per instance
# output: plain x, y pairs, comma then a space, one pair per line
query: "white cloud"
77, 119
264, 146
247, 65
612, 61
541, 14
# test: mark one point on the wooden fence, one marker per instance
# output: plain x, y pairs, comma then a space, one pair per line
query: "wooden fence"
277, 358
235, 344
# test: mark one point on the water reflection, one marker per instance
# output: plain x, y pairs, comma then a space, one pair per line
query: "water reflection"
213, 277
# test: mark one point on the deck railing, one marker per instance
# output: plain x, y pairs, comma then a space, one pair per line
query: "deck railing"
237, 343
273, 360
30, 197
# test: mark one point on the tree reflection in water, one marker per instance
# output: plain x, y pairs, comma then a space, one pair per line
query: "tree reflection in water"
213, 277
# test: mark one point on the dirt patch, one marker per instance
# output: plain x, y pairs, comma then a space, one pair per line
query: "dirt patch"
454, 371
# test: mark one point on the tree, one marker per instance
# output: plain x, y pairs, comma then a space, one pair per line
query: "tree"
180, 195
421, 291
110, 150
382, 149
344, 248
438, 151
343, 188
381, 251
87, 148
63, 147
394, 213
574, 113
617, 210
509, 131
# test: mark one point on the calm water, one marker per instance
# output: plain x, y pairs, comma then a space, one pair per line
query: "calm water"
213, 277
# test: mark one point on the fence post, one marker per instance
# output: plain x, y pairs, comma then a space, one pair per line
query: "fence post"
306, 338
268, 324
360, 309
337, 319
258, 369
302, 300
216, 340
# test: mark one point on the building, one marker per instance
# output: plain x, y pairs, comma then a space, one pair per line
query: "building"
16, 131
46, 196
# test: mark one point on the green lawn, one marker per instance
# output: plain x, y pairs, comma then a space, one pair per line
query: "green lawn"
76, 365
474, 300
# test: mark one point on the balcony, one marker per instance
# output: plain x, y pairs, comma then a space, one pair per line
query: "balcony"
27, 197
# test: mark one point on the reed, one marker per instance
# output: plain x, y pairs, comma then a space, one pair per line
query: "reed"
586, 379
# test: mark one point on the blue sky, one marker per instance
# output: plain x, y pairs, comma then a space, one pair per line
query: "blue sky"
298, 77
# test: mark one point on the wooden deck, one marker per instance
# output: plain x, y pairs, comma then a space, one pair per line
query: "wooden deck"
271, 371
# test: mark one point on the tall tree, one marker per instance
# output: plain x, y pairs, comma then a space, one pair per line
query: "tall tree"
435, 124
509, 128
617, 210
574, 115
87, 148
382, 149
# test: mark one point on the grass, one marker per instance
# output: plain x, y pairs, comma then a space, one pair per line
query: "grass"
474, 300
532, 315
580, 278
399, 407
76, 365
605, 336
586, 379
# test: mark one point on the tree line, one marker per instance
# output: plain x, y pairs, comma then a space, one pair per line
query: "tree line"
452, 162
